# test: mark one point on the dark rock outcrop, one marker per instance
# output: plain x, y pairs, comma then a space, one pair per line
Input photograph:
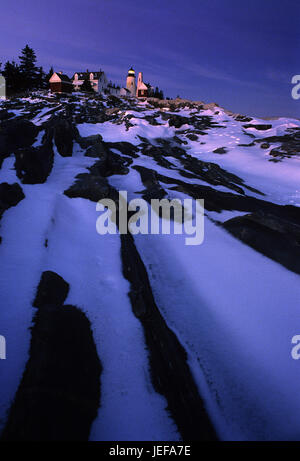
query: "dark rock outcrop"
89, 141
194, 167
170, 373
90, 186
64, 135
10, 195
126, 148
98, 150
220, 150
52, 289
275, 237
289, 144
111, 164
192, 137
177, 121
59, 394
15, 134
150, 181
261, 127
34, 164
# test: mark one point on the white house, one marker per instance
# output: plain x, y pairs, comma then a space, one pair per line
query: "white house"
98, 80
124, 92
142, 89
113, 89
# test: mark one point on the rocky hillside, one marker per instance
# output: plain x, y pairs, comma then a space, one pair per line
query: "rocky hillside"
121, 337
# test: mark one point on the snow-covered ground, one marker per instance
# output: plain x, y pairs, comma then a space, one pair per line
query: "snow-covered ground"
234, 310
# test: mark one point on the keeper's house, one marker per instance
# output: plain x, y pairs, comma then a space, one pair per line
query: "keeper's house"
60, 83
98, 80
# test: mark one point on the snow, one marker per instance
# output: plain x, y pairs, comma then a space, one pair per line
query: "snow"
117, 133
24, 229
279, 181
233, 310
131, 409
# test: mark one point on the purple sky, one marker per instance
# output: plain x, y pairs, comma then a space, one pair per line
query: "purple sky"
239, 54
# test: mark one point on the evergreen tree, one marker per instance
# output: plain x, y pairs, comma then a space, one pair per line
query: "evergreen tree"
40, 82
87, 86
30, 72
156, 92
13, 77
48, 76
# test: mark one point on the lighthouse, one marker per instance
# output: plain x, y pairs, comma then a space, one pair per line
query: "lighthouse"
130, 82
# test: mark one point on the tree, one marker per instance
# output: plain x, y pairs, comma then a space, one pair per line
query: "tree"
13, 77
31, 77
40, 79
49, 75
158, 93
87, 86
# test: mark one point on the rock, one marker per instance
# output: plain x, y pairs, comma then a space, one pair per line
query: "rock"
52, 290
10, 195
112, 164
125, 147
34, 164
265, 145
243, 118
114, 101
180, 141
15, 134
97, 150
270, 234
192, 137
89, 186
112, 111
171, 375
151, 119
89, 141
150, 181
5, 115
65, 133
220, 150
59, 394
258, 127
290, 144
247, 145
177, 121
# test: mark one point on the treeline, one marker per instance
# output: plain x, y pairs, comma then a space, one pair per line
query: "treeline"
158, 93
155, 93
25, 74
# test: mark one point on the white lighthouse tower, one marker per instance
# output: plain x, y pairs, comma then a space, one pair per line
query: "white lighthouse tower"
130, 82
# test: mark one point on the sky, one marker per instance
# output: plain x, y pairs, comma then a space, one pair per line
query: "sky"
241, 55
